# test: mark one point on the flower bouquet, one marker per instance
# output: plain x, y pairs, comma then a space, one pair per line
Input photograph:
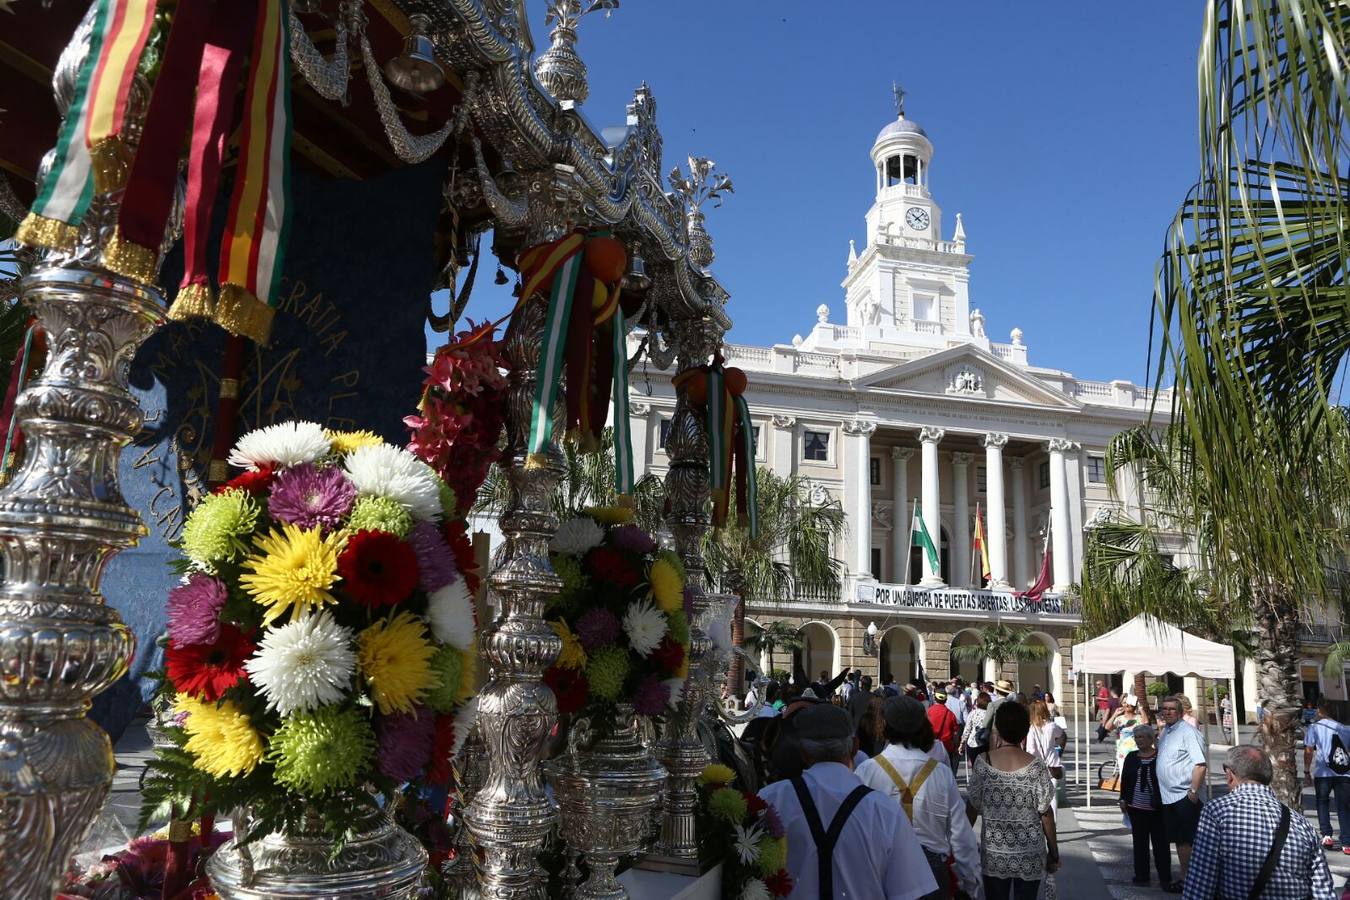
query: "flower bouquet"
322, 641
745, 834
623, 617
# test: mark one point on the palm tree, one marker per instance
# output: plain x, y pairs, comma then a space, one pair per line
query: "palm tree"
1001, 643
777, 635
1254, 324
791, 553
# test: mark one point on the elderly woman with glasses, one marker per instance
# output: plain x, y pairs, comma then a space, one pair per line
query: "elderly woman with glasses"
1141, 802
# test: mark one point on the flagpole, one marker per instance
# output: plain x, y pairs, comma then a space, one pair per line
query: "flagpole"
976, 569
909, 550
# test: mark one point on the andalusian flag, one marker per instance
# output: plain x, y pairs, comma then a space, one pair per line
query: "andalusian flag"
919, 537
981, 547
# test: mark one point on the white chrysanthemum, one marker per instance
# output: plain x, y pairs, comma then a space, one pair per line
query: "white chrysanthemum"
450, 612
464, 721
280, 445
575, 536
676, 686
304, 664
645, 625
381, 470
747, 843
755, 889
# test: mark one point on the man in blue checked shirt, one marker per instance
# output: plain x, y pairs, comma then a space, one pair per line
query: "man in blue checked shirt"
1248, 844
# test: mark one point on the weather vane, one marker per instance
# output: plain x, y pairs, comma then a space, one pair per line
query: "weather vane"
899, 93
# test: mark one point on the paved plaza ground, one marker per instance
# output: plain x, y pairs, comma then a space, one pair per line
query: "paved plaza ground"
1095, 848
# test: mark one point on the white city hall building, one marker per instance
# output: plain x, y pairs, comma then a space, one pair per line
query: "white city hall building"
908, 399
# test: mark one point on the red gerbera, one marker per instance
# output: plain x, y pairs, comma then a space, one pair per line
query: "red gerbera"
569, 686
753, 804
457, 536
779, 883
256, 483
438, 770
207, 671
668, 655
377, 568
608, 564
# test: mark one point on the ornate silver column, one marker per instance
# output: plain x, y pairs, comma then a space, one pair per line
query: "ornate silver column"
681, 751
62, 517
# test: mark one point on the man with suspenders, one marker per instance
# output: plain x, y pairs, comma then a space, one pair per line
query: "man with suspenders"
905, 773
847, 840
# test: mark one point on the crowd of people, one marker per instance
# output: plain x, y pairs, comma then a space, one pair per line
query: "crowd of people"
865, 780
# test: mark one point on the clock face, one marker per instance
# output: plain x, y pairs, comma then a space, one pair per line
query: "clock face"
916, 218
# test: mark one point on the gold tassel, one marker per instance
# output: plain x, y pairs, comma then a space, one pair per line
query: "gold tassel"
110, 161
242, 314
40, 231
130, 259
193, 302
536, 461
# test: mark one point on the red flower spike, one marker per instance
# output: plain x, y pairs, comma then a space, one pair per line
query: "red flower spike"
569, 686
438, 770
608, 564
377, 568
753, 804
207, 671
256, 483
779, 883
668, 655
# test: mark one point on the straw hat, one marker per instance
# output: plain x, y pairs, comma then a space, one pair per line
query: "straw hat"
1003, 687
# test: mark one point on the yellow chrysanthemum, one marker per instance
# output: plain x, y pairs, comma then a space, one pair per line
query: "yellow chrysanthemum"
221, 739
611, 515
395, 658
345, 442
667, 586
572, 655
294, 570
716, 774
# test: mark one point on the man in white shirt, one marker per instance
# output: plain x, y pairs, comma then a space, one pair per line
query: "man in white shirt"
905, 772
847, 840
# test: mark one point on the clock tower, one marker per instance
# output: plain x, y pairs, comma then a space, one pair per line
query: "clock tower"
908, 286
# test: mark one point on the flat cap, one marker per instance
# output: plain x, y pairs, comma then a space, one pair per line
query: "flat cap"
824, 722
904, 713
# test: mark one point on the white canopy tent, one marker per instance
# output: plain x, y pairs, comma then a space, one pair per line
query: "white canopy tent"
1153, 647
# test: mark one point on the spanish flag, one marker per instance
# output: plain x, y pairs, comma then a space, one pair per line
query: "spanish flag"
981, 547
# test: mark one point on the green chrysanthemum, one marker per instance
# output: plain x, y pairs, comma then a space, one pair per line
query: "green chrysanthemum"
679, 627
323, 750
568, 568
380, 514
445, 694
727, 804
449, 502
606, 671
772, 855
218, 529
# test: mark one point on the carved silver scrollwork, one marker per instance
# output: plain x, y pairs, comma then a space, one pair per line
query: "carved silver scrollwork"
408, 147
329, 78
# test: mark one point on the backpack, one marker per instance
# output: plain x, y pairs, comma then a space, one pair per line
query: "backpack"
1338, 758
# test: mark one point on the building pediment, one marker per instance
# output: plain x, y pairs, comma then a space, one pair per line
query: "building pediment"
966, 371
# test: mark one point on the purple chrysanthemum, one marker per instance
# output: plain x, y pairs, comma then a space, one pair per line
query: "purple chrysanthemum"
651, 697
773, 822
435, 560
596, 628
688, 601
632, 539
311, 497
405, 741
194, 610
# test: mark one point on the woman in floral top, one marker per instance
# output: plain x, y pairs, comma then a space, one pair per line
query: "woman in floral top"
1011, 790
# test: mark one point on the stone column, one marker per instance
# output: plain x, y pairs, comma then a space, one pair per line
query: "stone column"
1061, 541
961, 518
900, 514
997, 531
1021, 561
784, 445
929, 438
639, 411
860, 463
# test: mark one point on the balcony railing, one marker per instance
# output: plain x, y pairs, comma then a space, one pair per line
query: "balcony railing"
961, 600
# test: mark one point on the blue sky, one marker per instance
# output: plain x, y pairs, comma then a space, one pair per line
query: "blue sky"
1064, 132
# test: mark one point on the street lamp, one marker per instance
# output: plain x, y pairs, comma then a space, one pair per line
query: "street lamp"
870, 646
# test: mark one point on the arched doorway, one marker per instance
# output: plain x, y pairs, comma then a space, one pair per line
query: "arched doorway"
1045, 671
901, 655
967, 670
944, 560
819, 652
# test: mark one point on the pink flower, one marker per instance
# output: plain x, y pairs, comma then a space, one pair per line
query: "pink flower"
194, 610
435, 560
311, 497
405, 742
651, 697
